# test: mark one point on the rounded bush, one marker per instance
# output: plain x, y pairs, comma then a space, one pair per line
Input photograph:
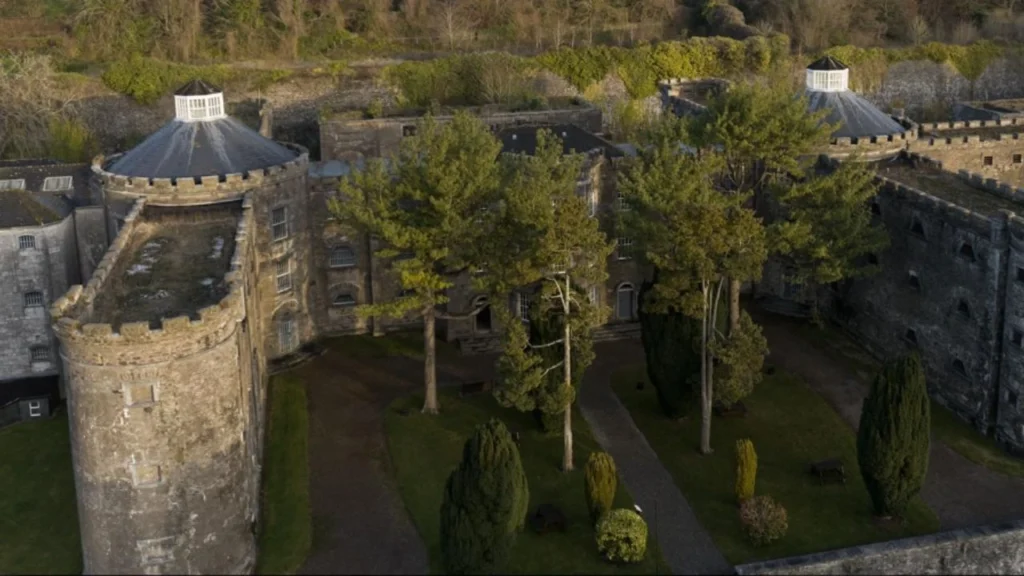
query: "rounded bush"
599, 483
764, 520
622, 536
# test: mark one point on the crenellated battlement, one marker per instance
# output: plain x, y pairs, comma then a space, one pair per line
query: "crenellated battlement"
199, 190
871, 147
74, 312
972, 124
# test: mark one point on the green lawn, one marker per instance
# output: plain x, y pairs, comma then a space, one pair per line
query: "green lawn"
38, 511
286, 533
946, 426
791, 427
425, 449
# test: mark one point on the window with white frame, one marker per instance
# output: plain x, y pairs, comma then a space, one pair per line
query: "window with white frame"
15, 184
35, 408
57, 183
286, 337
524, 307
344, 300
26, 242
33, 299
828, 80
342, 257
284, 275
624, 203
279, 223
40, 354
624, 247
202, 107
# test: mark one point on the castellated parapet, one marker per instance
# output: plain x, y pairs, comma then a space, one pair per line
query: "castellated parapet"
163, 415
874, 147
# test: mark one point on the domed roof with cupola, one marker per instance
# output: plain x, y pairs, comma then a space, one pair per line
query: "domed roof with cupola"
201, 140
828, 88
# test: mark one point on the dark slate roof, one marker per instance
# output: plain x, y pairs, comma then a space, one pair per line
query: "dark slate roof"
523, 139
32, 206
857, 117
194, 149
196, 88
827, 63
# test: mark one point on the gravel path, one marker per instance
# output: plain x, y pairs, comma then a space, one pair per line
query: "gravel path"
686, 546
962, 493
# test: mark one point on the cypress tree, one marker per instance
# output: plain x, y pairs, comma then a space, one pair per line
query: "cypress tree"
485, 503
893, 440
673, 363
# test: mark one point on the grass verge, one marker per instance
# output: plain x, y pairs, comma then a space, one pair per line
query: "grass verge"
946, 426
286, 533
425, 449
38, 511
791, 427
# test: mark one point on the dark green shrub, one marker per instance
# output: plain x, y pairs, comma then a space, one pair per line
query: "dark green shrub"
672, 359
764, 520
742, 357
893, 440
485, 502
622, 536
599, 483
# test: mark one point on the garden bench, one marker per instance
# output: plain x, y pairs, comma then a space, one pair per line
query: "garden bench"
547, 518
737, 410
829, 469
471, 388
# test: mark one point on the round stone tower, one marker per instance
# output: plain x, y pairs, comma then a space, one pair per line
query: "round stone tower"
165, 349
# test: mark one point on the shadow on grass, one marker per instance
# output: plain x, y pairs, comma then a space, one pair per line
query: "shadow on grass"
425, 449
286, 527
791, 427
38, 510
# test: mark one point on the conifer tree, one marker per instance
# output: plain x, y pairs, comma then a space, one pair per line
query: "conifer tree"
670, 348
893, 440
425, 206
485, 503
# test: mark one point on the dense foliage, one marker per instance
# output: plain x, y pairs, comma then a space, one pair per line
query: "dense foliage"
893, 440
622, 536
673, 363
763, 519
485, 502
746, 470
600, 481
741, 354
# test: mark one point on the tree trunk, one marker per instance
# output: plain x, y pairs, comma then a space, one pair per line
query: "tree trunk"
429, 361
705, 377
734, 305
567, 366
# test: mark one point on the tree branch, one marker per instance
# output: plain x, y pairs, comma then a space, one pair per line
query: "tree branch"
555, 367
548, 345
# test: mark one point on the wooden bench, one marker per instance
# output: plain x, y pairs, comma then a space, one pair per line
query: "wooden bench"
547, 518
737, 410
471, 388
829, 469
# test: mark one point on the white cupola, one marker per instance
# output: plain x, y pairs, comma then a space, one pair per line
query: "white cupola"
197, 101
828, 75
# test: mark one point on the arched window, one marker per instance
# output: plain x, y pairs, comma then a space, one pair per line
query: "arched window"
959, 368
876, 209
917, 228
967, 252
963, 308
911, 336
344, 300
342, 257
482, 320
625, 302
915, 282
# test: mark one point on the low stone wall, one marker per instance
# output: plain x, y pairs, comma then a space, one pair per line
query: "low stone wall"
996, 549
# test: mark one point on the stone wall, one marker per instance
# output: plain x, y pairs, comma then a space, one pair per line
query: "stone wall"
49, 268
922, 86
1009, 418
91, 238
995, 549
161, 427
991, 153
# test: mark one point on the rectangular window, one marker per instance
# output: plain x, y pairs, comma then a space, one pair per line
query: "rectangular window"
988, 160
585, 190
1018, 337
624, 248
35, 408
18, 184
524, 307
624, 204
593, 294
26, 242
286, 335
57, 183
284, 275
40, 354
1017, 158
1020, 274
144, 475
279, 223
33, 299
342, 257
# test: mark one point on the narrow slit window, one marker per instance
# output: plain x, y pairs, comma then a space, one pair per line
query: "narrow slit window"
872, 259
1020, 274
914, 281
967, 252
911, 336
959, 368
917, 228
1017, 338
876, 209
963, 309
284, 276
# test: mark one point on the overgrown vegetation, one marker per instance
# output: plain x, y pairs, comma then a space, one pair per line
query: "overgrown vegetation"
146, 79
286, 527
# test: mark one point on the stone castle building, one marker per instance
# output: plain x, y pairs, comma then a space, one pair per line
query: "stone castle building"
160, 285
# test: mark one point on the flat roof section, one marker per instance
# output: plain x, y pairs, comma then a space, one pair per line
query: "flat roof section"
174, 265
943, 184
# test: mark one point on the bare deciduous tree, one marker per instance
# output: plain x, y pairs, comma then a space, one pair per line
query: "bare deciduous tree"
30, 100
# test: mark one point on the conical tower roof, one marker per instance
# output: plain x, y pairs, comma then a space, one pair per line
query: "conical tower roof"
828, 89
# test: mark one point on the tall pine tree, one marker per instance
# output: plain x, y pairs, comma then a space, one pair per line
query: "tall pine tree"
893, 440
